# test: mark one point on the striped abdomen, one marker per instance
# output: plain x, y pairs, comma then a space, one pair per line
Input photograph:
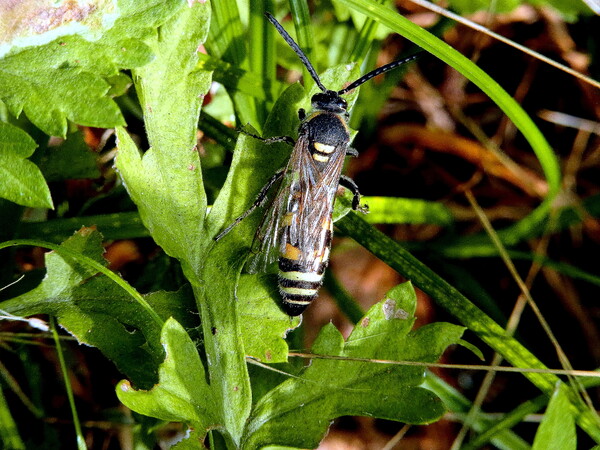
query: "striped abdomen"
301, 270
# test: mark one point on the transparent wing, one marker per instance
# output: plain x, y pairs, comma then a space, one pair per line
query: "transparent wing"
307, 192
265, 247
269, 236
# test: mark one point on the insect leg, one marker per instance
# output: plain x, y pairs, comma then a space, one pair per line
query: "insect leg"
270, 140
348, 183
262, 195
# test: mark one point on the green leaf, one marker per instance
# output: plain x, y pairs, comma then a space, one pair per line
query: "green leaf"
126, 225
557, 429
220, 307
228, 42
166, 184
66, 77
22, 181
99, 313
253, 164
299, 411
166, 181
182, 393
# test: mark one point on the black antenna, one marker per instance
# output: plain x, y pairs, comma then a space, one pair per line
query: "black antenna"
378, 71
298, 50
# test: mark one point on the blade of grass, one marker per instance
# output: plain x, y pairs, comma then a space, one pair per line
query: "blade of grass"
215, 129
511, 108
227, 41
9, 434
516, 416
11, 382
406, 210
484, 30
261, 52
227, 38
365, 38
63, 368
126, 225
456, 402
304, 35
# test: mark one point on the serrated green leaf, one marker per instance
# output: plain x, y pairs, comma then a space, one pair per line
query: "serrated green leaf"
219, 303
168, 206
557, 429
459, 306
22, 181
65, 78
166, 182
98, 313
299, 411
182, 393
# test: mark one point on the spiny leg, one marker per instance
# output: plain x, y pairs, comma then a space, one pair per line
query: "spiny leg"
348, 183
262, 195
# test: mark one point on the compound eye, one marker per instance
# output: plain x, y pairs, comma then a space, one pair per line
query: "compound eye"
343, 104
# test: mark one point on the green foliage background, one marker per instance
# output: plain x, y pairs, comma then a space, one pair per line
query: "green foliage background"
185, 351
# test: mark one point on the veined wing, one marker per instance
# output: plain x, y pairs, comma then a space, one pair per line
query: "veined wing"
268, 239
297, 213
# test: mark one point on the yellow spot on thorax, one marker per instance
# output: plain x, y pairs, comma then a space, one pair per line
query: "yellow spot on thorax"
324, 148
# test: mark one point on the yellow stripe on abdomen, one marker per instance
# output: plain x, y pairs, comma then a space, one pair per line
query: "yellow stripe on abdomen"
295, 291
301, 276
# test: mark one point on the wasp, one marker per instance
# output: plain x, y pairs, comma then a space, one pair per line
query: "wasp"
298, 227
